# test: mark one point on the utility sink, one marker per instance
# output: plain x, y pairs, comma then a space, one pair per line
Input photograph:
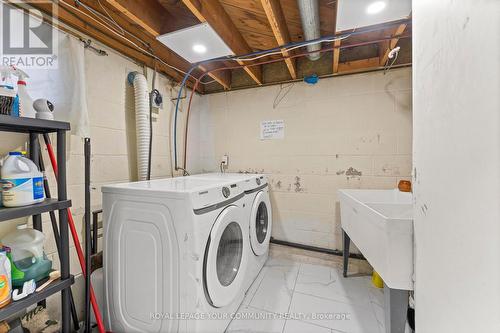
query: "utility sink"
380, 224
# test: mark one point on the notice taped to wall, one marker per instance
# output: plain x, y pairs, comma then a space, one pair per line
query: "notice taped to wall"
272, 129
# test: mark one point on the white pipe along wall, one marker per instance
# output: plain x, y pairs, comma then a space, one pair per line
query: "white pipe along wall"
456, 81
141, 94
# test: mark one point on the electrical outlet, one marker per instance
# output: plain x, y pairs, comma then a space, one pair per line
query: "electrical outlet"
156, 99
225, 160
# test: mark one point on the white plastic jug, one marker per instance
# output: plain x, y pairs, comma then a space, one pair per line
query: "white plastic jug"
28, 259
22, 181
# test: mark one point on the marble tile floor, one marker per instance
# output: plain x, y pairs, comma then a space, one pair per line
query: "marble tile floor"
303, 291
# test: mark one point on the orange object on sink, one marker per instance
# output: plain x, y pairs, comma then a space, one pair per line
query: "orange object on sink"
404, 186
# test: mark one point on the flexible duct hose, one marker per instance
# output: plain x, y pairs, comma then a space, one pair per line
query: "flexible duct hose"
141, 122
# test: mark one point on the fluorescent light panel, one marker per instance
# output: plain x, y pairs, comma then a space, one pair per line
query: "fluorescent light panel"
196, 43
354, 14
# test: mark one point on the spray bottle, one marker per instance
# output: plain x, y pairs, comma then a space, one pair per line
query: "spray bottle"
25, 101
9, 101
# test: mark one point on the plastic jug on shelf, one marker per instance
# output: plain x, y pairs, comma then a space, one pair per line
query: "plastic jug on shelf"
22, 181
27, 258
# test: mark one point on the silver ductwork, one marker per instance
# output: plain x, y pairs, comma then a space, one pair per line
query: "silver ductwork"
309, 15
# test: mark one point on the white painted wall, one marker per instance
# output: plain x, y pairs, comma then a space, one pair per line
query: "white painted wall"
456, 82
359, 121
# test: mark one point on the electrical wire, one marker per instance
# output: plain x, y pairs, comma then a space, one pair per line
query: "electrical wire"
389, 66
279, 97
321, 40
109, 21
278, 49
110, 17
139, 48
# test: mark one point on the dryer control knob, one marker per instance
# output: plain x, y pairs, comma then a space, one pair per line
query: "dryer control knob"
226, 192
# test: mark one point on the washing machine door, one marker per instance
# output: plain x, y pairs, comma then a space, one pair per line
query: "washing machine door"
226, 257
260, 223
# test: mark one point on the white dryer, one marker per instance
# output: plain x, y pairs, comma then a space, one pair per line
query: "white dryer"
259, 209
258, 213
175, 255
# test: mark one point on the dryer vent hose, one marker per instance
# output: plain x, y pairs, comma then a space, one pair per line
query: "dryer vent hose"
142, 123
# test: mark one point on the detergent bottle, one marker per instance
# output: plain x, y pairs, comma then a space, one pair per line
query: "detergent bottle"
25, 101
21, 180
27, 258
5, 279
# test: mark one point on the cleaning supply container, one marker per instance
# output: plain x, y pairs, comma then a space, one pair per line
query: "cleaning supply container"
25, 101
5, 279
9, 100
22, 181
27, 258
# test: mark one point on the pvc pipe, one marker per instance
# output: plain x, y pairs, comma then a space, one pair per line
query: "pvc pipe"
142, 125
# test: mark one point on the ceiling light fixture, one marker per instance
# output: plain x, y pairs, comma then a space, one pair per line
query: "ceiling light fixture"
199, 48
196, 43
375, 7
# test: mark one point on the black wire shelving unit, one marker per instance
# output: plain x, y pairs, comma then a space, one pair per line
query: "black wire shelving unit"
34, 127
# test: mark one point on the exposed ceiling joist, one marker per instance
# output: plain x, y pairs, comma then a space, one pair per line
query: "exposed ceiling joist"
148, 14
387, 46
151, 16
336, 44
222, 77
81, 20
211, 11
358, 65
336, 56
276, 19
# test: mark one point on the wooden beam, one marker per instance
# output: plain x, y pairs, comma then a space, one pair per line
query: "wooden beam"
336, 56
74, 18
211, 11
336, 44
276, 19
359, 65
151, 16
148, 14
222, 77
386, 47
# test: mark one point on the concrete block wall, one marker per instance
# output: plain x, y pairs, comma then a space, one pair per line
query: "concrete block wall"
345, 132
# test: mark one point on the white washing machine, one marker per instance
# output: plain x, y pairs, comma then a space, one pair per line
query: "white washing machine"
175, 255
259, 216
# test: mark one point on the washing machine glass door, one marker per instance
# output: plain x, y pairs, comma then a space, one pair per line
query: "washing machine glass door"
226, 257
260, 223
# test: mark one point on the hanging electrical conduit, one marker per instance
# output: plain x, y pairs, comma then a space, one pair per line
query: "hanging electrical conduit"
257, 55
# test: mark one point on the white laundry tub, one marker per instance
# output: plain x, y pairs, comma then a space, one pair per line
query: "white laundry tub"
380, 223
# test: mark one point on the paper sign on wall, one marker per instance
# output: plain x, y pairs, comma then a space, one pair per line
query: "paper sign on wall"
272, 129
